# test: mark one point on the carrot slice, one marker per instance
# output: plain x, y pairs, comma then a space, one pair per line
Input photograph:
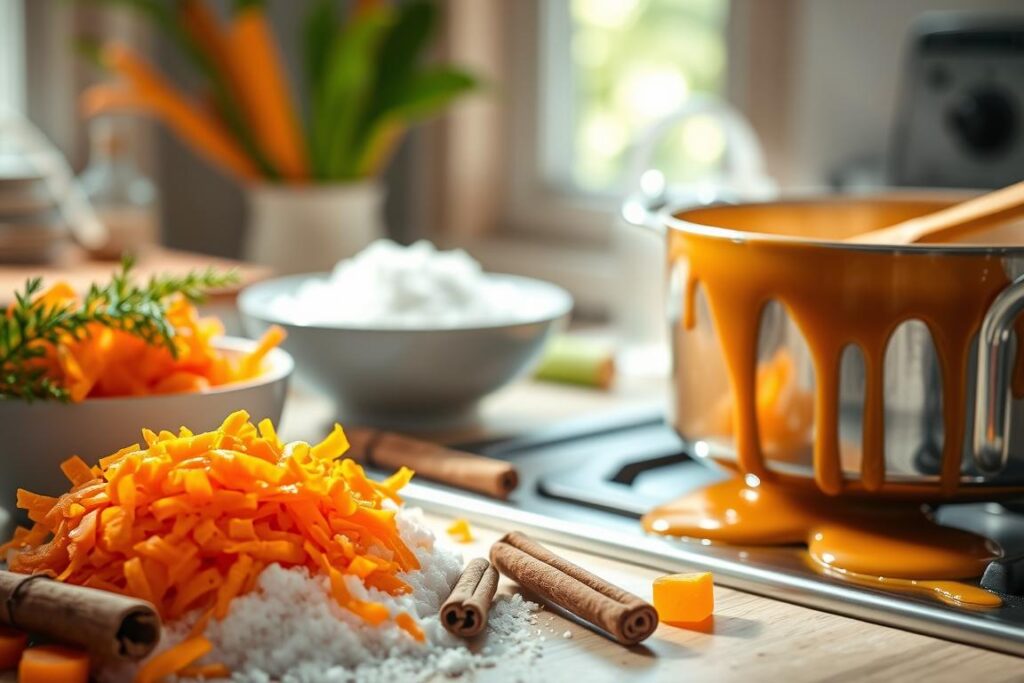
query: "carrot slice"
333, 446
12, 643
50, 663
36, 505
77, 472
173, 660
410, 626
138, 583
460, 531
232, 586
207, 671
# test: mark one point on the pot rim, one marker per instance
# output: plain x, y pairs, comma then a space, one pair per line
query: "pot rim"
675, 218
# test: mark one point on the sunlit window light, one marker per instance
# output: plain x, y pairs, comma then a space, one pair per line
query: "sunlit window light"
647, 93
703, 139
633, 62
614, 14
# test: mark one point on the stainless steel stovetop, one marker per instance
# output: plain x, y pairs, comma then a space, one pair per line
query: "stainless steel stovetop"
585, 486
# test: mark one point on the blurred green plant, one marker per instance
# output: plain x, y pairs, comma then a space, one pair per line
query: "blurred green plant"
367, 84
364, 72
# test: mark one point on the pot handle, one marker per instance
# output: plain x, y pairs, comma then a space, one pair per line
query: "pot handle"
743, 175
992, 396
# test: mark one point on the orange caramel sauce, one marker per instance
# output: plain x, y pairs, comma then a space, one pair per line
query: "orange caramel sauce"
895, 546
836, 297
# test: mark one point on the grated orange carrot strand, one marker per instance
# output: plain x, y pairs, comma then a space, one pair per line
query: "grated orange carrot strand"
77, 472
409, 625
175, 659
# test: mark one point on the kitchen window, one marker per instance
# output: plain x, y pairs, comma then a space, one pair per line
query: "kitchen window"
625, 64
577, 83
603, 71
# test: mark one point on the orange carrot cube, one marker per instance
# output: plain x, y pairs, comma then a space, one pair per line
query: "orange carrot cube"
50, 663
684, 598
12, 643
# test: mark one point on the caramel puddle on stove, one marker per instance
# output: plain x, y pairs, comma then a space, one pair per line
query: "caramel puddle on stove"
890, 546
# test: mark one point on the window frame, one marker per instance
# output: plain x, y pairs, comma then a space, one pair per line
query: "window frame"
533, 226
541, 200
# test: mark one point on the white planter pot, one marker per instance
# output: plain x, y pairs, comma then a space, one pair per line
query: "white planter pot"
301, 229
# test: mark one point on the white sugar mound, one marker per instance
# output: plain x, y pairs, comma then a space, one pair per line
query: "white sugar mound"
388, 286
290, 629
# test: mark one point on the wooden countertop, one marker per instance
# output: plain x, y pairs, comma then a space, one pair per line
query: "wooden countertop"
750, 638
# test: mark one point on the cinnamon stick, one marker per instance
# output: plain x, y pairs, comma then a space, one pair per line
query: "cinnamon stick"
619, 613
109, 625
389, 451
465, 611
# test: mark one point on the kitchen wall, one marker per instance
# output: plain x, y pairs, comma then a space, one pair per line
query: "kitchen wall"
844, 62
845, 68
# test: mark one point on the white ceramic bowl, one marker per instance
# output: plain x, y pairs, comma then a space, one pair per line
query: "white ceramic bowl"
410, 376
36, 437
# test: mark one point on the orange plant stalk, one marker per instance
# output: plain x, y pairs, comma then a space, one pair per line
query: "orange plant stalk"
104, 98
204, 27
262, 86
153, 93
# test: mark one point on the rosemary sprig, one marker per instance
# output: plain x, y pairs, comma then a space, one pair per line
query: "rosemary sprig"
29, 328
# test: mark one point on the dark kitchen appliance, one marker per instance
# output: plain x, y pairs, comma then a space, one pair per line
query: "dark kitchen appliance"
960, 119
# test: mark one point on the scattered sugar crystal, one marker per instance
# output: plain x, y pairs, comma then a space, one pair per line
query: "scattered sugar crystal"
391, 286
290, 630
567, 635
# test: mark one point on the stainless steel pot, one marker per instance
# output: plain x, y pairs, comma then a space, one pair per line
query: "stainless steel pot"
989, 457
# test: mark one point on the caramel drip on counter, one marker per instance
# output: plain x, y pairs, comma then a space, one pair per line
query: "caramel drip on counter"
837, 297
952, 593
896, 545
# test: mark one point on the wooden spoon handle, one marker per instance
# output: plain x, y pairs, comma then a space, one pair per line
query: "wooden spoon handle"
973, 215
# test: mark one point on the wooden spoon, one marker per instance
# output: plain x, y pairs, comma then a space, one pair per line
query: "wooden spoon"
973, 215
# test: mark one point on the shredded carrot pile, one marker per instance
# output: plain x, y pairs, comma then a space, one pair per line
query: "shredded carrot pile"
107, 362
188, 522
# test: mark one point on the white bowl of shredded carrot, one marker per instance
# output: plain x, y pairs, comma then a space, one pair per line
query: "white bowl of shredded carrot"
79, 372
39, 435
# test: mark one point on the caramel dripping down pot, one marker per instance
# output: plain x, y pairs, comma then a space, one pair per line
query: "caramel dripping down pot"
856, 369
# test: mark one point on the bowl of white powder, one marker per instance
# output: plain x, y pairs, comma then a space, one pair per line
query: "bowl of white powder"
398, 334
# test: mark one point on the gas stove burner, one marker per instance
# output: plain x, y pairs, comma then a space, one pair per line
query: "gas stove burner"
627, 484
1005, 576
